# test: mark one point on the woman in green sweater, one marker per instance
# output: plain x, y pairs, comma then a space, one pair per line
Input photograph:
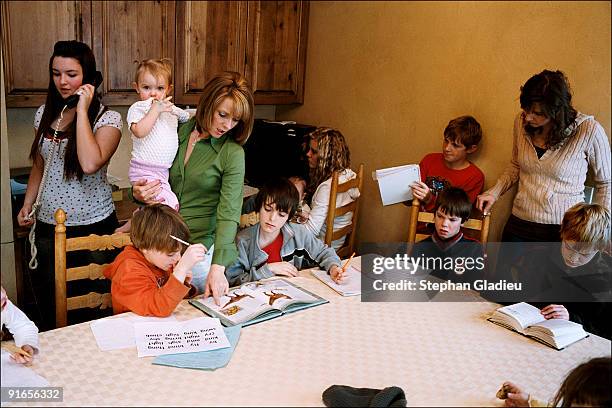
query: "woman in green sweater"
207, 174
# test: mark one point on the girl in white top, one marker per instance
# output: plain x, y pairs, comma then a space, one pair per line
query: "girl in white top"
24, 331
153, 123
327, 153
70, 153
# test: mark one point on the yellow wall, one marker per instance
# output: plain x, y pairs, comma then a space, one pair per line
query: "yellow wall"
390, 75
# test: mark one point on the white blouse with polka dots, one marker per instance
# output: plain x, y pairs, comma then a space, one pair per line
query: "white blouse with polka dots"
86, 201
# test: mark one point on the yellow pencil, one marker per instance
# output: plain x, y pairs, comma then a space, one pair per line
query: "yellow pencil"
347, 263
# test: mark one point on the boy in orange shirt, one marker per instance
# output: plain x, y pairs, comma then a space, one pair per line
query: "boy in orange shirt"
451, 168
150, 277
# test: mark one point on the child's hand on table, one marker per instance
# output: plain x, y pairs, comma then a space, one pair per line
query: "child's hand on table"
283, 269
337, 274
23, 355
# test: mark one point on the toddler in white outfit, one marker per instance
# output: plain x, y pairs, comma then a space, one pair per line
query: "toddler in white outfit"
153, 123
24, 331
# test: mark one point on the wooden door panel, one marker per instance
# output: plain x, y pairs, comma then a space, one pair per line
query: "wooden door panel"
29, 31
126, 32
276, 50
210, 38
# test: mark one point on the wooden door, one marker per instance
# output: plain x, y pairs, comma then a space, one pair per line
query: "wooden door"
276, 51
125, 32
210, 38
29, 31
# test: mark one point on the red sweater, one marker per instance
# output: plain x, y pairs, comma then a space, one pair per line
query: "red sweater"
141, 287
438, 177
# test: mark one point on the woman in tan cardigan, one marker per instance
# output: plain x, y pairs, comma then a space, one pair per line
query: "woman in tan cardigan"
553, 148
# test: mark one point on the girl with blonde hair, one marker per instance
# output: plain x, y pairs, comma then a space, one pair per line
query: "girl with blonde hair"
328, 152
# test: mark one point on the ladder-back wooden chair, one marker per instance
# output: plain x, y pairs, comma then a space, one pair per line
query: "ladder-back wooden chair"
416, 216
92, 271
350, 230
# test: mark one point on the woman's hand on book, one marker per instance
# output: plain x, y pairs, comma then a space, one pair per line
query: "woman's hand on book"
515, 397
216, 283
283, 269
555, 312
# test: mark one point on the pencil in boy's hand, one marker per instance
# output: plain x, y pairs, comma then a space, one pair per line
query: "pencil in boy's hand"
179, 240
347, 263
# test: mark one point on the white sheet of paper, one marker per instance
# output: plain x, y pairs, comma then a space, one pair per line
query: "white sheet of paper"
394, 183
113, 333
200, 334
350, 286
18, 375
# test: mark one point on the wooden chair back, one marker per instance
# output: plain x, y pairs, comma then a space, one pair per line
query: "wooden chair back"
416, 216
92, 271
350, 230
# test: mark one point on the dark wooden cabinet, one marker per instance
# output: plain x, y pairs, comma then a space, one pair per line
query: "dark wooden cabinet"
210, 38
264, 40
124, 33
276, 53
29, 31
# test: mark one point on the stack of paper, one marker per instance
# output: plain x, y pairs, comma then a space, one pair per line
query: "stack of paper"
394, 183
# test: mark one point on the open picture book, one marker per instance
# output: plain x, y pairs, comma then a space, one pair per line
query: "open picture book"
527, 320
254, 302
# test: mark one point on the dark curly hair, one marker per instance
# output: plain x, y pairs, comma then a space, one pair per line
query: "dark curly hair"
552, 91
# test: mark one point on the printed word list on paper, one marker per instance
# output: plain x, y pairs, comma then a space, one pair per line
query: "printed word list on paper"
201, 334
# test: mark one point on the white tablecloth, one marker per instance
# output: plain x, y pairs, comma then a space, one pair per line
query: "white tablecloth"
441, 354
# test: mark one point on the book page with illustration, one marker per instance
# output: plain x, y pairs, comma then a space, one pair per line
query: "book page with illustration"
254, 299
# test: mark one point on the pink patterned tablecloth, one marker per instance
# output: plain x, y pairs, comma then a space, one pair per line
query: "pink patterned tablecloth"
441, 354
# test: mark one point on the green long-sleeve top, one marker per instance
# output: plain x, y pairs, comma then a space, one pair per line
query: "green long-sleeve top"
209, 190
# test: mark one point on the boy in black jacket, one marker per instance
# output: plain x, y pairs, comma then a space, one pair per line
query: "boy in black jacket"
448, 252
